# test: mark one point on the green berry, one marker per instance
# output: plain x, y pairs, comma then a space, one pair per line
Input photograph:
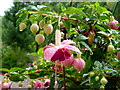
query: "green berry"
103, 81
91, 74
96, 78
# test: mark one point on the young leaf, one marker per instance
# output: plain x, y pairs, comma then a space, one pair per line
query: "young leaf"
4, 69
83, 43
81, 37
14, 69
100, 28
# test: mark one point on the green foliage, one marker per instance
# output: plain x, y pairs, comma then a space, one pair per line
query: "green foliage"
14, 57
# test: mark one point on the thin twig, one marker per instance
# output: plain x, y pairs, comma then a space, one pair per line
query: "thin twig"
63, 18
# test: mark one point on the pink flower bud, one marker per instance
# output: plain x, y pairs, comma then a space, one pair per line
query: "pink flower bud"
6, 85
47, 83
118, 55
38, 84
79, 64
113, 25
68, 62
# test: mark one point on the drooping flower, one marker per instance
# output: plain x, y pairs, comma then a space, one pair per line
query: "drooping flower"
79, 64
38, 84
59, 52
47, 83
5, 85
118, 55
113, 25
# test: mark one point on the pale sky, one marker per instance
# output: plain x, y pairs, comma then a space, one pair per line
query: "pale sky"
4, 5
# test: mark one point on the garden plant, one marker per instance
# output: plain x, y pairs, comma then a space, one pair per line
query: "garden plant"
76, 47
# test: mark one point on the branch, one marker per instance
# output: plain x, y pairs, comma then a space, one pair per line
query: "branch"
63, 18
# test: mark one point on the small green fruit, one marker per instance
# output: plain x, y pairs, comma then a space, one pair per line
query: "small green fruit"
91, 74
22, 26
34, 28
103, 81
39, 38
41, 24
110, 48
96, 78
48, 28
29, 86
102, 87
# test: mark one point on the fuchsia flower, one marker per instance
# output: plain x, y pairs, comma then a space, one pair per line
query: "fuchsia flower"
59, 52
113, 25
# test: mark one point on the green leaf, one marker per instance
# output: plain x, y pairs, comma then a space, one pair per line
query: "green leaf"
103, 33
98, 64
89, 62
100, 9
109, 70
44, 12
45, 8
36, 54
83, 43
52, 82
67, 25
16, 69
93, 83
76, 16
104, 17
34, 75
83, 82
40, 52
100, 28
73, 10
118, 24
17, 78
21, 18
4, 69
81, 37
63, 8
